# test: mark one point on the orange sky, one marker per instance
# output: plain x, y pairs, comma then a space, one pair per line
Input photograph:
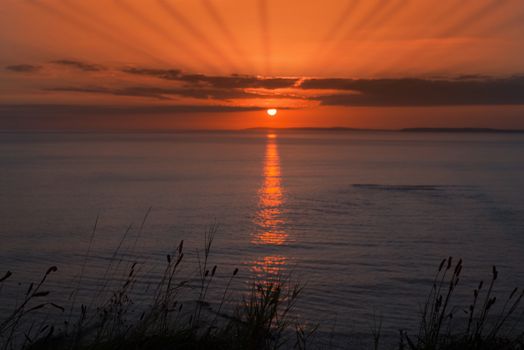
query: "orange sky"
167, 64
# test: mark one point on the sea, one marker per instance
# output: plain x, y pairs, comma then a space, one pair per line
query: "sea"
359, 219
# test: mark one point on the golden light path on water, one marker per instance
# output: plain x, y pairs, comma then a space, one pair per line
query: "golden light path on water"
269, 218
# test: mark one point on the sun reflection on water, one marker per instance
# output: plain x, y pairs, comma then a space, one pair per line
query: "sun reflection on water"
269, 266
269, 219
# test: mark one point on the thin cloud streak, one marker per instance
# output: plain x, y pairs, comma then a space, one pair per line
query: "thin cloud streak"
167, 74
86, 67
162, 93
23, 68
217, 81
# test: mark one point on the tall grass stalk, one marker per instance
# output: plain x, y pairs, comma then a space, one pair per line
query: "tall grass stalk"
480, 329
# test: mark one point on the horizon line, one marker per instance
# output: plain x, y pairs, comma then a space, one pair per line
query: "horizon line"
260, 129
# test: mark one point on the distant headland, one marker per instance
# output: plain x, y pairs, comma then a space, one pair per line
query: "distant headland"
429, 130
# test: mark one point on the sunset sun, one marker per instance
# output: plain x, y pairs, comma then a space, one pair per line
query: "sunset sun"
272, 112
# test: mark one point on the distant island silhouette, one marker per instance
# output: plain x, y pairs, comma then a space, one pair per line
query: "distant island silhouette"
439, 130
474, 130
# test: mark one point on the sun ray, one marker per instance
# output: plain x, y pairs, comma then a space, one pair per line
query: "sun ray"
265, 39
78, 22
328, 38
377, 11
215, 15
154, 26
192, 30
363, 36
461, 22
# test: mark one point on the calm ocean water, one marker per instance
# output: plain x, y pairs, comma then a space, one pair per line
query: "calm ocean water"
362, 218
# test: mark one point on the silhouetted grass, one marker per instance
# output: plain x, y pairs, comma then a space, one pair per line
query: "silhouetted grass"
482, 328
262, 318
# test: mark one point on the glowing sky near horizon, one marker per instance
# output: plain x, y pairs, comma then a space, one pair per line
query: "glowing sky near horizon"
221, 64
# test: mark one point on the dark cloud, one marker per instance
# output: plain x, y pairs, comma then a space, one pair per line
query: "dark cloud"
86, 67
420, 92
130, 91
23, 68
169, 74
461, 90
162, 93
220, 82
239, 81
166, 93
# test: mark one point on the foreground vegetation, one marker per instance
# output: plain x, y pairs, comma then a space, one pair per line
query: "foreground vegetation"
262, 319
481, 328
